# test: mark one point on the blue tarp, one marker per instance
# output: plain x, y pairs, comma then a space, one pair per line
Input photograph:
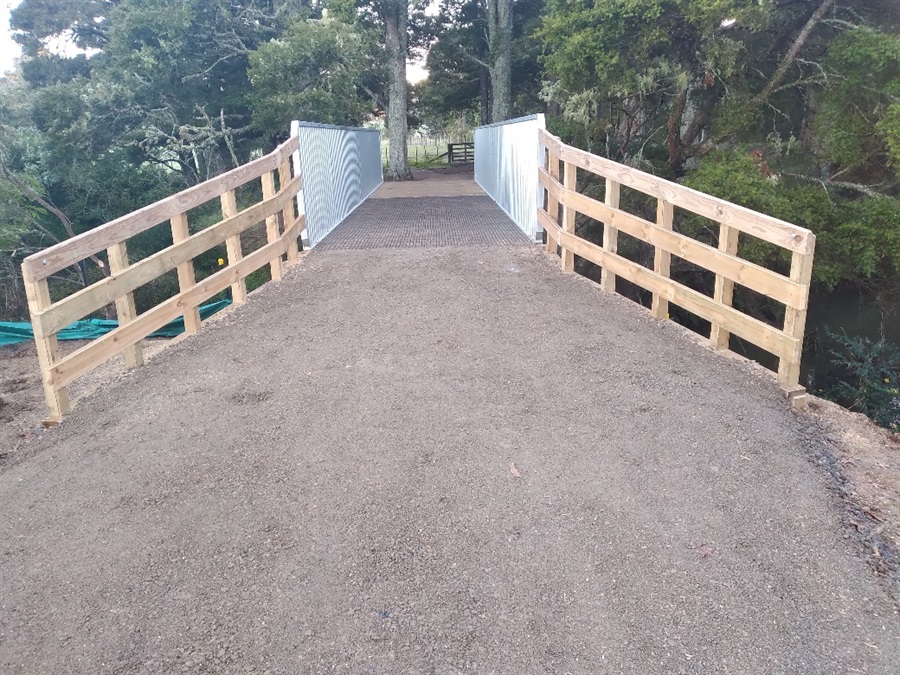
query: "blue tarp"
12, 333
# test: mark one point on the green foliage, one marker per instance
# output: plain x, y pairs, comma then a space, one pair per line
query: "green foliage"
627, 47
889, 127
868, 378
458, 82
313, 72
859, 117
856, 239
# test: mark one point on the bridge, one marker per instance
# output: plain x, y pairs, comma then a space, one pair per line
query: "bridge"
426, 445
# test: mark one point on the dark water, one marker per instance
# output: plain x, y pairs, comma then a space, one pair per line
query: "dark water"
844, 309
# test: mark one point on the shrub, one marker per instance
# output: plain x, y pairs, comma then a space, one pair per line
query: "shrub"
868, 378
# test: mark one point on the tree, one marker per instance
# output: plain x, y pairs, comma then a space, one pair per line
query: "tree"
464, 62
789, 107
395, 17
315, 71
500, 37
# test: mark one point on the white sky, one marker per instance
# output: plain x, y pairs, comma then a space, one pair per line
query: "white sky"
9, 50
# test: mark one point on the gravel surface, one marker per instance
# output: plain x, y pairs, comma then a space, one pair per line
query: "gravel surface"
434, 460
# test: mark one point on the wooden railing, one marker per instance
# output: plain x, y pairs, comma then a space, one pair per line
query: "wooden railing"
283, 228
724, 261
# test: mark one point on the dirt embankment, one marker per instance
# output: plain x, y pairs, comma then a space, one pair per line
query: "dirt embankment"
864, 461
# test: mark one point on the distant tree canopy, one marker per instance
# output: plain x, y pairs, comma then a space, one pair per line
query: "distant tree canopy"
791, 107
326, 65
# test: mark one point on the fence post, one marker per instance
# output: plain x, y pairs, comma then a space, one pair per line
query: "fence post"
795, 322
125, 309
272, 233
38, 295
662, 260
287, 215
186, 277
568, 224
552, 202
610, 235
723, 292
233, 246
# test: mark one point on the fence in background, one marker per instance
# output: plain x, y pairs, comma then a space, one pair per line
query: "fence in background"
341, 166
724, 261
507, 158
282, 226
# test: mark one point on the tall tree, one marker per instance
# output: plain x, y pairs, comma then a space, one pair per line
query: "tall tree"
395, 17
317, 71
500, 38
789, 107
462, 66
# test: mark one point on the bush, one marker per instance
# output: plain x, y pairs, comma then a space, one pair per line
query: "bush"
868, 378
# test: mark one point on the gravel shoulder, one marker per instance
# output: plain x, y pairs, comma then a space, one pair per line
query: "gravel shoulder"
435, 460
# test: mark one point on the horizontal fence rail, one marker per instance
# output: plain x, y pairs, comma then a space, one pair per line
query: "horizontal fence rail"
282, 225
507, 159
558, 179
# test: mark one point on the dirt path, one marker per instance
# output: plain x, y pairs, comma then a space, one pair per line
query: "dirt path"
434, 460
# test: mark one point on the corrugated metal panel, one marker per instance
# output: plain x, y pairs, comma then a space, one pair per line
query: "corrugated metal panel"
507, 157
341, 166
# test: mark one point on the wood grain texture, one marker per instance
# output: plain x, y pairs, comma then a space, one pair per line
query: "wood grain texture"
38, 295
723, 291
765, 336
55, 258
125, 309
662, 258
186, 276
268, 192
756, 277
91, 355
233, 247
284, 178
552, 201
104, 292
759, 225
568, 215
795, 324
610, 231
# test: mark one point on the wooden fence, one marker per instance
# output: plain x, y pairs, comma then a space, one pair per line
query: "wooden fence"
460, 153
724, 261
283, 227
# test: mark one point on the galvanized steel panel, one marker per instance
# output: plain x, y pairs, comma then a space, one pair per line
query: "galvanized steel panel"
507, 157
340, 166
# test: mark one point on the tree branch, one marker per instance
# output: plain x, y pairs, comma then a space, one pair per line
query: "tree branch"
791, 54
49, 206
868, 190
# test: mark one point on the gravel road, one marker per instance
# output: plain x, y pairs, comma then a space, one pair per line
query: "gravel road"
434, 460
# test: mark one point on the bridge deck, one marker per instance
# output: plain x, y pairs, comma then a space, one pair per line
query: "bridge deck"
433, 459
417, 221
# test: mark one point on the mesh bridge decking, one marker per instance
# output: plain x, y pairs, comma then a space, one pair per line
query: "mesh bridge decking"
425, 221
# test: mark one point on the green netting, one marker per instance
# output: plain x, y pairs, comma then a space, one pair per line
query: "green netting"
12, 332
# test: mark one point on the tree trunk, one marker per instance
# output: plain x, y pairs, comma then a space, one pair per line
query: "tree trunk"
791, 55
673, 126
396, 39
484, 85
500, 30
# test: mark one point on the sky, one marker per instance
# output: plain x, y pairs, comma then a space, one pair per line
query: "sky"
9, 50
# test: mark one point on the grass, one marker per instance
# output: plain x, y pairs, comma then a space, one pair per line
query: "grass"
421, 156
